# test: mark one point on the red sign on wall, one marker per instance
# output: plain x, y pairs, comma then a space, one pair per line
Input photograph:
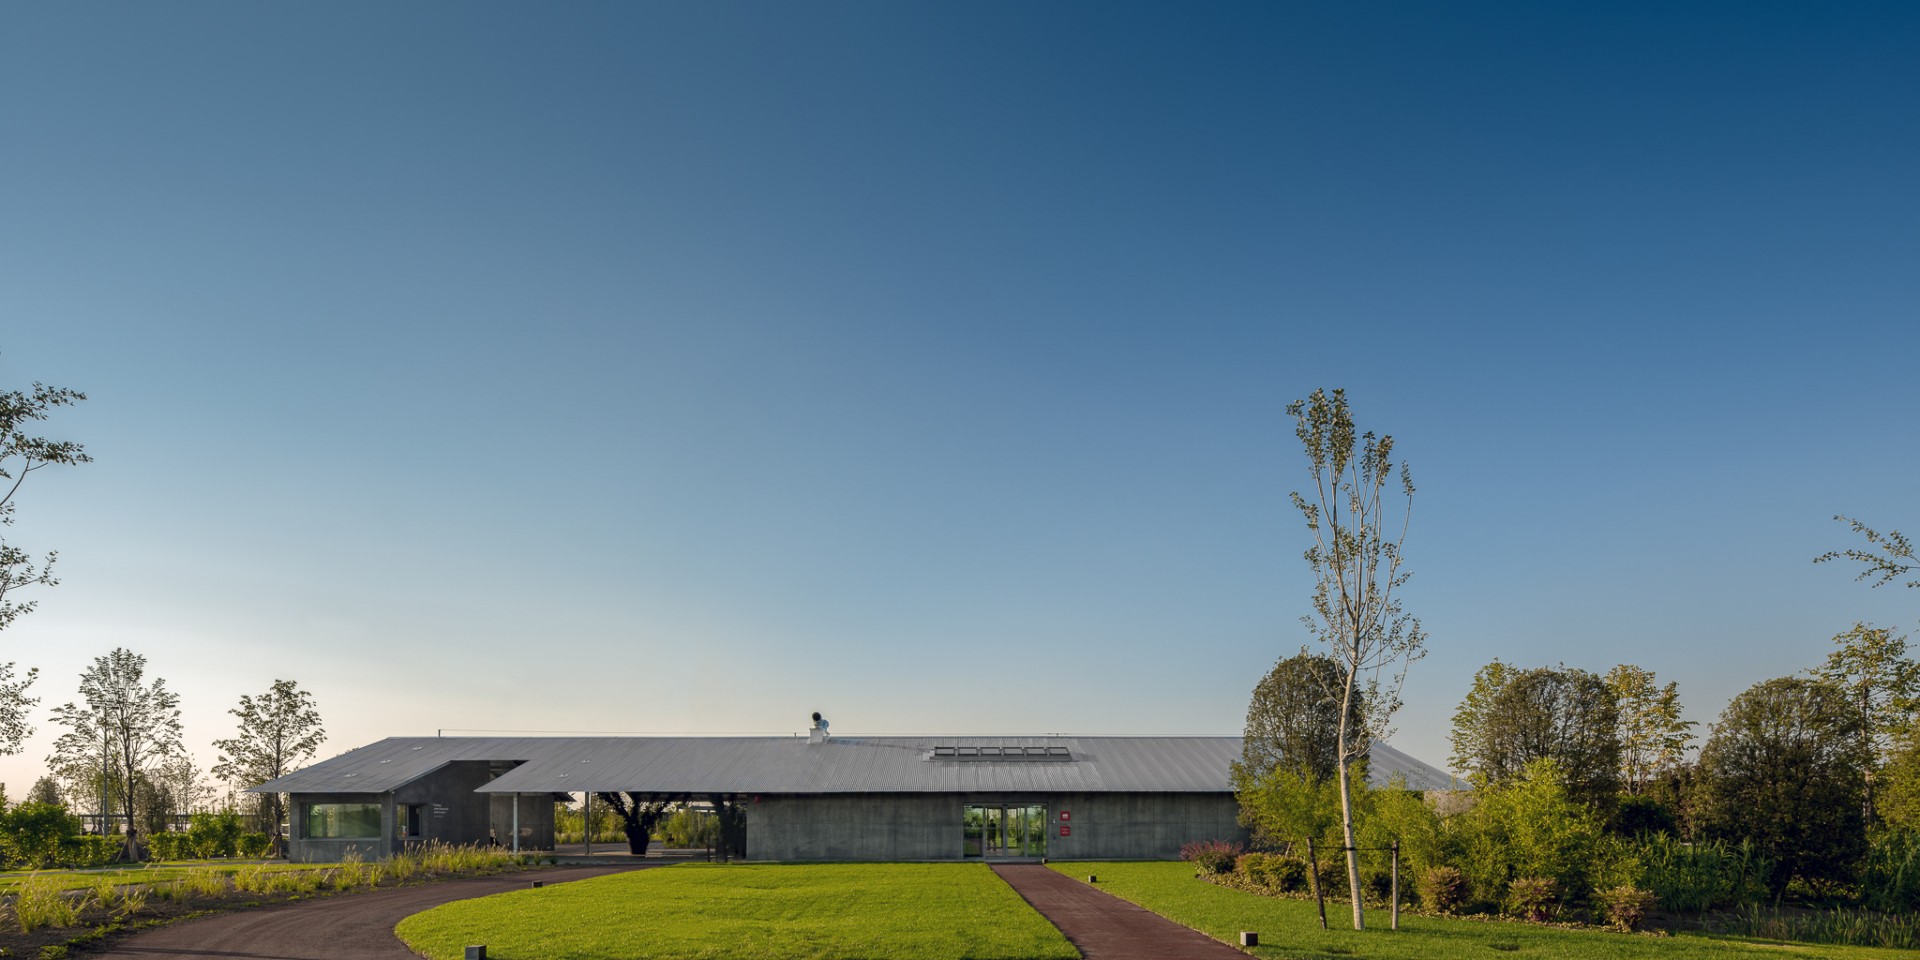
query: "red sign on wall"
1066, 815
1066, 831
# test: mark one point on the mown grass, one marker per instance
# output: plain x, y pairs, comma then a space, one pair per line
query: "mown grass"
1290, 929
898, 911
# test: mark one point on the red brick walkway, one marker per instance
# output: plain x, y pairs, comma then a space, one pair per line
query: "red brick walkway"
1106, 927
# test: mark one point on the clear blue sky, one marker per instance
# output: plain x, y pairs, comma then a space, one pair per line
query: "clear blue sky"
696, 366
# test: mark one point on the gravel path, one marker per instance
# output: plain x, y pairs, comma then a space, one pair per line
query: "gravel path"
349, 927
1106, 927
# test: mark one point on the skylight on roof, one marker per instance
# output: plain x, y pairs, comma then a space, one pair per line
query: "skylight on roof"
975, 753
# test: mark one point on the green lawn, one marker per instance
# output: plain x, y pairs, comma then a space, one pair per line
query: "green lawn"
896, 911
148, 873
1291, 928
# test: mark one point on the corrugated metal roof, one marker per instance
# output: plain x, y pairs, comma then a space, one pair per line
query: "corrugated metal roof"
703, 765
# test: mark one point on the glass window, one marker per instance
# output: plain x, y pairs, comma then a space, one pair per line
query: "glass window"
343, 821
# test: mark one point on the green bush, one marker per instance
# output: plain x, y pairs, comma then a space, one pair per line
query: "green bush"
1442, 889
1531, 898
1528, 826
1624, 906
253, 846
31, 834
91, 850
169, 846
215, 834
1278, 872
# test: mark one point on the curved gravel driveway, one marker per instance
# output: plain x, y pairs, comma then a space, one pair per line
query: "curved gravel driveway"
350, 927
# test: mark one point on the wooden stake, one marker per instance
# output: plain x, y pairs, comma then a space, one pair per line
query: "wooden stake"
1396, 885
1313, 875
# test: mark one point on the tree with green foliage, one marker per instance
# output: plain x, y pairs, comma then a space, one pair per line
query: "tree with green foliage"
1358, 564
22, 453
45, 790
1293, 720
639, 814
1784, 768
126, 728
1561, 714
1652, 736
1290, 752
279, 731
1897, 801
1884, 684
1887, 558
1469, 719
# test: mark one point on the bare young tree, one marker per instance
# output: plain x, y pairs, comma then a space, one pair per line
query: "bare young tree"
1357, 564
20, 454
128, 727
279, 731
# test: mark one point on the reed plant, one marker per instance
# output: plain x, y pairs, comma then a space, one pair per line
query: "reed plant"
1843, 926
39, 902
205, 882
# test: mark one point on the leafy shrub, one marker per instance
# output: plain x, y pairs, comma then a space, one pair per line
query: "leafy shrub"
168, 845
31, 834
1275, 871
1625, 906
1531, 898
1442, 889
253, 846
1529, 826
215, 834
90, 850
1211, 856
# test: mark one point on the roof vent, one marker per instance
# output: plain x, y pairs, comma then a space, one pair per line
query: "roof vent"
818, 733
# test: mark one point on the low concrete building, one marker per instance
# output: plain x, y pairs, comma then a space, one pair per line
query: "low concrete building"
803, 798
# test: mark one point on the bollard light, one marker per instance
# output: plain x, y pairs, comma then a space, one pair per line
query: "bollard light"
537, 884
1249, 938
477, 952
1091, 878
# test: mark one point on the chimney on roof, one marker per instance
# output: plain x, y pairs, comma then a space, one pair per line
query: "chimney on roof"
818, 734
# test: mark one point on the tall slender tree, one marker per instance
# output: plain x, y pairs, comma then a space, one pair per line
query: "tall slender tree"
279, 731
1653, 737
1357, 564
129, 725
1872, 666
22, 453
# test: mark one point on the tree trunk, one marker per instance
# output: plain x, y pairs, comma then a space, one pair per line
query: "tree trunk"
1346, 809
639, 835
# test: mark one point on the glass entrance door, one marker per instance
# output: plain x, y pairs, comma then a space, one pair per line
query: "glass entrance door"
1002, 831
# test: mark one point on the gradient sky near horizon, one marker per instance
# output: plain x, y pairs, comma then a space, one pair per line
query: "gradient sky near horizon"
691, 367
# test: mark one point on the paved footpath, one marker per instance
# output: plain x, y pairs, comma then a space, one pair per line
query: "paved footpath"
1106, 927
355, 926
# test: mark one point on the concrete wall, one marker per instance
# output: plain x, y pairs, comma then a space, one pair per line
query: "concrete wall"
854, 826
1139, 826
891, 826
301, 849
